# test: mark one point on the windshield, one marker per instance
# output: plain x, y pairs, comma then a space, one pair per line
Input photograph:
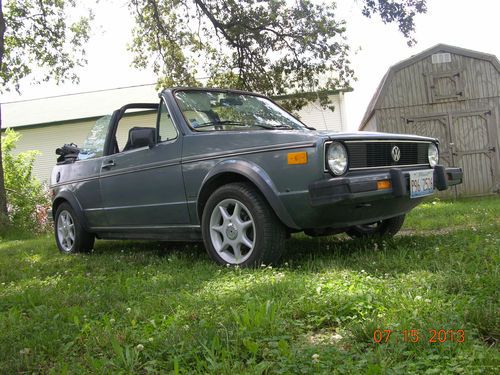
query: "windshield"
220, 110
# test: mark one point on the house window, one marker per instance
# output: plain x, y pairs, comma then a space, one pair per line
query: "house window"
445, 86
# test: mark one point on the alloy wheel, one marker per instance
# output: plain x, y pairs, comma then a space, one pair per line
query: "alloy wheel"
232, 231
66, 230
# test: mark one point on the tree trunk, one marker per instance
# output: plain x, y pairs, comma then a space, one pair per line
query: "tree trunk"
4, 219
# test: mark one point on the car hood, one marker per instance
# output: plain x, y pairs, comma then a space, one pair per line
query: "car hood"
217, 142
371, 136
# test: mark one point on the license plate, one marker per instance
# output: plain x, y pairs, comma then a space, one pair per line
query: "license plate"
421, 183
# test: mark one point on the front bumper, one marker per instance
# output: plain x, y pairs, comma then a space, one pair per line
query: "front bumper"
340, 189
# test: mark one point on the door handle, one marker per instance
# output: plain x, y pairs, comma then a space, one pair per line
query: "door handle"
108, 164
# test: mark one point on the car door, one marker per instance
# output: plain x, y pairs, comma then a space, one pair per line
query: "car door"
143, 187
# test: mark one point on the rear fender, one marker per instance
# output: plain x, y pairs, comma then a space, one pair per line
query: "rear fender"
70, 198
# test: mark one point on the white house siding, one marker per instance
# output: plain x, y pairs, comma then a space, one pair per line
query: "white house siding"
49, 137
74, 106
323, 118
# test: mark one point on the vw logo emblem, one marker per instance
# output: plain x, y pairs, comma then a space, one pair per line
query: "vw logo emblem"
396, 153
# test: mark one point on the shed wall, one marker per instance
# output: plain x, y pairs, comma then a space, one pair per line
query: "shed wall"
473, 127
466, 124
408, 87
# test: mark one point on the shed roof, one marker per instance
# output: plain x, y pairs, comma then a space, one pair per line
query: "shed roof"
379, 92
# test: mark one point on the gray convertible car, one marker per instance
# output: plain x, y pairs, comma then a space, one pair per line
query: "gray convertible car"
237, 171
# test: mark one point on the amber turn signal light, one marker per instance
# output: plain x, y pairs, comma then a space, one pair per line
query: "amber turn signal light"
383, 184
297, 157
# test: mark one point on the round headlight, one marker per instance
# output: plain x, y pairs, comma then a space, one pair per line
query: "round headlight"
433, 154
336, 156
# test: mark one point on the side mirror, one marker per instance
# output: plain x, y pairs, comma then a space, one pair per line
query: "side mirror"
140, 137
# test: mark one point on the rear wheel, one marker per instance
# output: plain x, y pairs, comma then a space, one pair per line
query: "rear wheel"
69, 233
382, 228
239, 227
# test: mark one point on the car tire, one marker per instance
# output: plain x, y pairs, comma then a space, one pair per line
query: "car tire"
71, 237
383, 228
240, 228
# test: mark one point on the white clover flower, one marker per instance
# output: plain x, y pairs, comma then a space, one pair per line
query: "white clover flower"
129, 309
315, 358
111, 320
140, 347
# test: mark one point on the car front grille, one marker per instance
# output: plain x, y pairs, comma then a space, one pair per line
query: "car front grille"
377, 154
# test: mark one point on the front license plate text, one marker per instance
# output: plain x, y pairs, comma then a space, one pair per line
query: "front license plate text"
421, 183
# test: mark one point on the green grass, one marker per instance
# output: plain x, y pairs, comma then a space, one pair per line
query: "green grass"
133, 307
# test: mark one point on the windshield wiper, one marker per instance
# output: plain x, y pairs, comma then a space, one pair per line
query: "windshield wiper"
215, 123
237, 123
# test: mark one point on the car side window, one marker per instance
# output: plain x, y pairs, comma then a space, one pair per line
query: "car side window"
166, 127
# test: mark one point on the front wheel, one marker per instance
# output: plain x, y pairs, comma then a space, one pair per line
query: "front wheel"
240, 228
70, 235
382, 228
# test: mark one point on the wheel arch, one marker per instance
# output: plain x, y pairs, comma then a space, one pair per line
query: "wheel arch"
243, 171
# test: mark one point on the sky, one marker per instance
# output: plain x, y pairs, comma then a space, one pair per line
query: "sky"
376, 46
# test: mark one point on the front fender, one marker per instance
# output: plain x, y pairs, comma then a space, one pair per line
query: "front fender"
258, 177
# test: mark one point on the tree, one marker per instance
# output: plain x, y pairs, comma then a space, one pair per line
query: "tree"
41, 34
274, 47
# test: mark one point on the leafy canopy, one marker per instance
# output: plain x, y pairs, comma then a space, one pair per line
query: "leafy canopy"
45, 35
274, 47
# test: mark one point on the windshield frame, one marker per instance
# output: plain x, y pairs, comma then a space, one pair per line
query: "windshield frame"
237, 92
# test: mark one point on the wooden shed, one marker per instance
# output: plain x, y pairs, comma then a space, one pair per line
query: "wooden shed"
452, 94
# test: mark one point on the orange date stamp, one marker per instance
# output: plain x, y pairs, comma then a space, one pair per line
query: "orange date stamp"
438, 336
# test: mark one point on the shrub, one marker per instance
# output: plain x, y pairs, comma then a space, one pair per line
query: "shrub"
27, 199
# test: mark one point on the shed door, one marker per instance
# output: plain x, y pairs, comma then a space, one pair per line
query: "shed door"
434, 127
466, 141
473, 150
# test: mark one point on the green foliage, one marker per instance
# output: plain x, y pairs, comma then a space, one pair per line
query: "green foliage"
42, 34
400, 11
27, 200
135, 307
273, 47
